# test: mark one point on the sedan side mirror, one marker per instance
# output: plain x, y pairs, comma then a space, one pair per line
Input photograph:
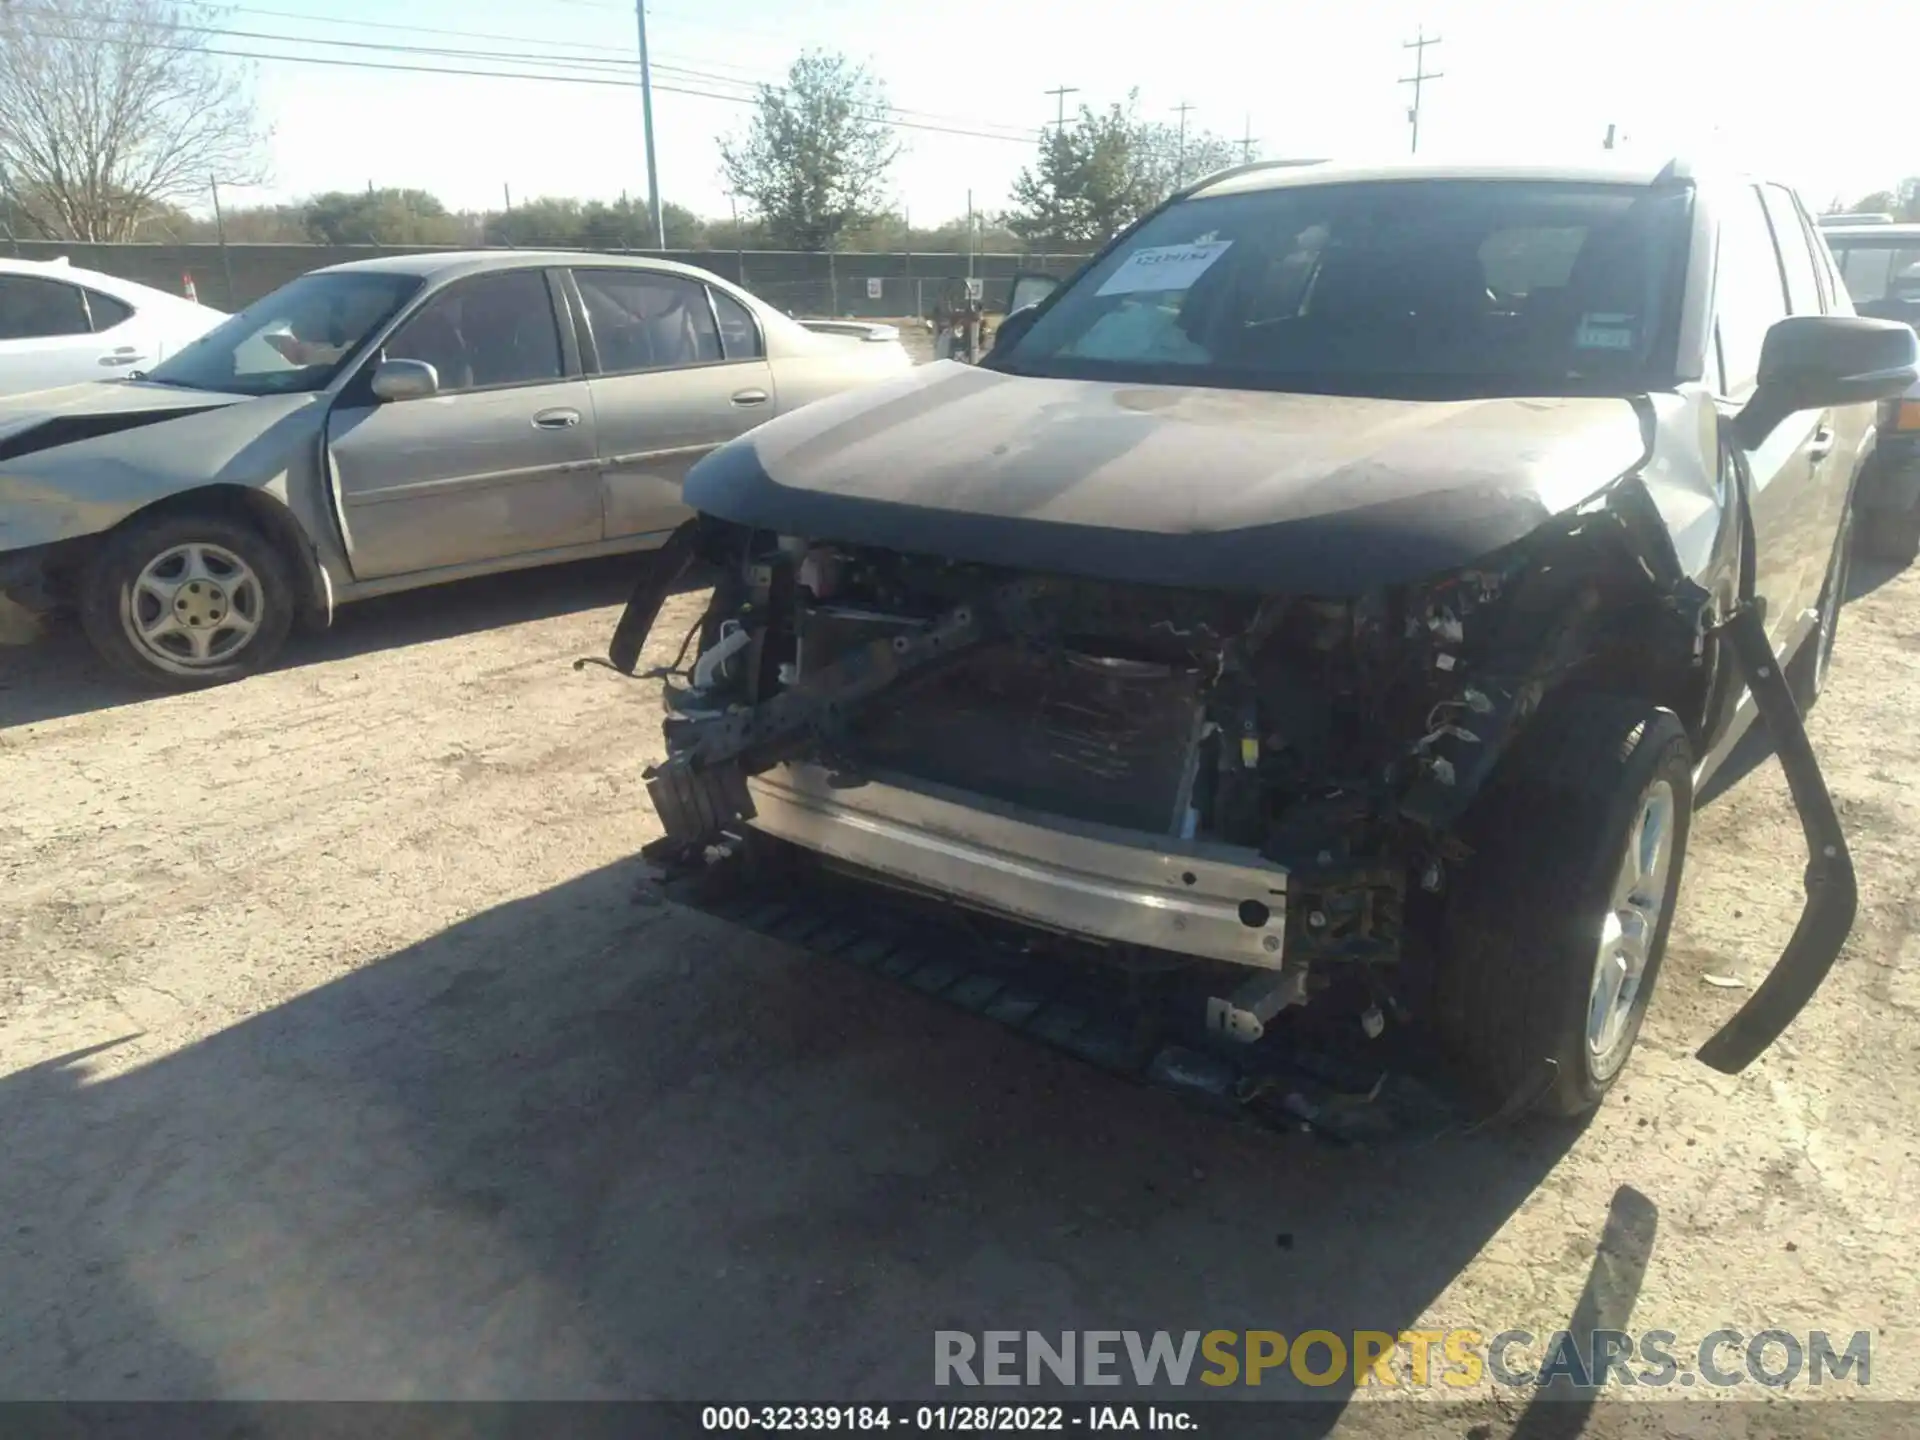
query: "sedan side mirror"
1811, 362
405, 380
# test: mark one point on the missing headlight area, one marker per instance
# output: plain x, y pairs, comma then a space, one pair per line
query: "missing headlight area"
1310, 794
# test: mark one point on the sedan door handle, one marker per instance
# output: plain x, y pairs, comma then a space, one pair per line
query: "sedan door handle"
750, 397
556, 419
1821, 445
125, 355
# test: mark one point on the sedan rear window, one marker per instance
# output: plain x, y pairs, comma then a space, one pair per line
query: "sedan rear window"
1445, 286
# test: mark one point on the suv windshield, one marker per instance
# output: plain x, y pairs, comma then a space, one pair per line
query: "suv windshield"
1882, 275
296, 339
1447, 287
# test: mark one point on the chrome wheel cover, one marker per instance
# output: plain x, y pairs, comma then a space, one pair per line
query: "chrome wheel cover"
1636, 908
194, 607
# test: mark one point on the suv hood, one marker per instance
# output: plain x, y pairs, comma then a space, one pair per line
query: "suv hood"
1170, 485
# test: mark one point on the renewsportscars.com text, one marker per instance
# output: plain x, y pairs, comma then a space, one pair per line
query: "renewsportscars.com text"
1445, 1359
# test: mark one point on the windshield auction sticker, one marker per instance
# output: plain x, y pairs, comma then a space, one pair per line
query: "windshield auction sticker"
1163, 267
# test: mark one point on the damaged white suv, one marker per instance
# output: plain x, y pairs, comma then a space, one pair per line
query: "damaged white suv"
1339, 586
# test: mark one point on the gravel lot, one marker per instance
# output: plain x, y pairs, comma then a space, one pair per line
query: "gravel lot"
337, 1059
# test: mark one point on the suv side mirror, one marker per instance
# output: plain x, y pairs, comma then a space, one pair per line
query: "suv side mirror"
1810, 362
405, 380
1012, 328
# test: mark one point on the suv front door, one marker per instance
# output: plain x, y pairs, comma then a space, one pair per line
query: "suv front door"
1792, 535
499, 464
680, 369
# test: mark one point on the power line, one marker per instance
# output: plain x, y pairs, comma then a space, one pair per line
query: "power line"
893, 119
594, 63
1419, 77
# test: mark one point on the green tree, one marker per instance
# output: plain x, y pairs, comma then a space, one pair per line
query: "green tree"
550, 221
1104, 171
1171, 160
382, 217
816, 155
1089, 180
1902, 202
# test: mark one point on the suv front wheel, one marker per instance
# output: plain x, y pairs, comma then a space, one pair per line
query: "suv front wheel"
1558, 922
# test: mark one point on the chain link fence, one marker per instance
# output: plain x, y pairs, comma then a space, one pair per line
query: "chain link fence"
852, 284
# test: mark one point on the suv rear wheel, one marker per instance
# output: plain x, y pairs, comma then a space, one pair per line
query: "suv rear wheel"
1558, 924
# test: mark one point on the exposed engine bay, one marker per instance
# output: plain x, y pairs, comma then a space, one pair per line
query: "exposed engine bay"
1333, 742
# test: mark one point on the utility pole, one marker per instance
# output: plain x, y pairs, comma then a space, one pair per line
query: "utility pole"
220, 231
1180, 160
1419, 78
646, 119
1607, 144
1060, 93
506, 192
1247, 143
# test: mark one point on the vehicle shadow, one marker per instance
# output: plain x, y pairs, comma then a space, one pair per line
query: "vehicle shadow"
1866, 576
585, 1146
58, 675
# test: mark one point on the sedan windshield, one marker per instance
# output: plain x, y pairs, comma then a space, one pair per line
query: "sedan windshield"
296, 339
1427, 287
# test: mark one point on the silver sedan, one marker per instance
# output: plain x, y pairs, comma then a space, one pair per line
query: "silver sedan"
385, 425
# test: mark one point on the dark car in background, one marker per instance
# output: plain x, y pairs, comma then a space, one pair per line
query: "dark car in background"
1880, 264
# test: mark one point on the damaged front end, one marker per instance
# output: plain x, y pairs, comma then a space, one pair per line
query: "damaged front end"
1273, 786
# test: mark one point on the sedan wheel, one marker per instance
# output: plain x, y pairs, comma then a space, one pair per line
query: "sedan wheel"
195, 605
183, 601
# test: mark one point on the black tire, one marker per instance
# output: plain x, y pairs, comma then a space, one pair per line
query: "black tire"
1523, 925
111, 604
1889, 536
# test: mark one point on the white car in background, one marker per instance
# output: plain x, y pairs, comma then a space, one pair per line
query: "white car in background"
60, 325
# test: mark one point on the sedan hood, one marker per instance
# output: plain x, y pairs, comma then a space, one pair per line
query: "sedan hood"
98, 407
1170, 485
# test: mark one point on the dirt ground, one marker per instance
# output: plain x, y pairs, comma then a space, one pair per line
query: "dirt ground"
337, 1059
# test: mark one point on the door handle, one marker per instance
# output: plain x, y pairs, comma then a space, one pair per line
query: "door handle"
750, 397
125, 355
1821, 445
556, 419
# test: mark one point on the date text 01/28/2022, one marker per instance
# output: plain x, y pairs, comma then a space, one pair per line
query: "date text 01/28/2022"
974, 1419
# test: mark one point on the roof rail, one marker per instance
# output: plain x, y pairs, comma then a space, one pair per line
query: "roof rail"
1250, 167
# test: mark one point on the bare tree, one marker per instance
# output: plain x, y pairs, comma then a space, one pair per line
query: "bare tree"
113, 110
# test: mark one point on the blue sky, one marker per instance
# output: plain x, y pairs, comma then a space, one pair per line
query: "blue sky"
1709, 76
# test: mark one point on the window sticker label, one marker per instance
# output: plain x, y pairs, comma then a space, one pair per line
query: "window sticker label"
1604, 332
1163, 267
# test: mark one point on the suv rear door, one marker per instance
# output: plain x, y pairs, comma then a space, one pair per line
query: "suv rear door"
677, 367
